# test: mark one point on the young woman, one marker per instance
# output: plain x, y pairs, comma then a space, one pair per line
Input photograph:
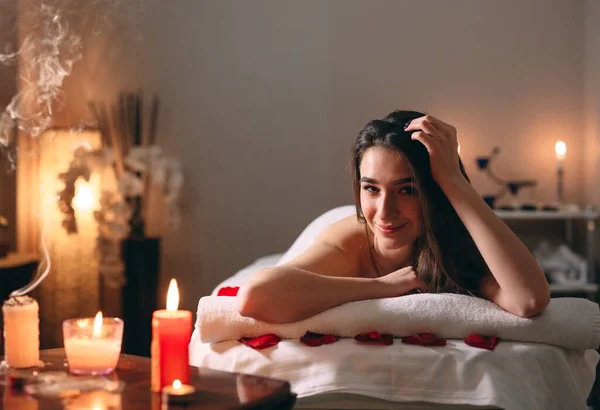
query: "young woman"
419, 226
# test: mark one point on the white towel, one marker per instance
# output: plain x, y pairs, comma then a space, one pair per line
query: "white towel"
567, 322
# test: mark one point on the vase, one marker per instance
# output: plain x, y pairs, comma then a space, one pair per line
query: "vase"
139, 295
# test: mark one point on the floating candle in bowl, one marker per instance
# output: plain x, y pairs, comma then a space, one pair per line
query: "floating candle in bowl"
93, 346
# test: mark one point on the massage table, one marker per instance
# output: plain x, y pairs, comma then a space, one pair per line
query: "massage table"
350, 375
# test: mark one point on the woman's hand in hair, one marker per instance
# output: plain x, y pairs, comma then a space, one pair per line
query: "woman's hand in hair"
441, 142
400, 282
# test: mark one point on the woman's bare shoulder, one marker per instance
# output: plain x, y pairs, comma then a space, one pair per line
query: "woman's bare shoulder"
338, 251
347, 234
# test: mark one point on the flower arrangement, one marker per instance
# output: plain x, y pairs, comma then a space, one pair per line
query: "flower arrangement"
135, 162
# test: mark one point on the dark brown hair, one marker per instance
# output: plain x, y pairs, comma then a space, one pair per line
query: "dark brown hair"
447, 259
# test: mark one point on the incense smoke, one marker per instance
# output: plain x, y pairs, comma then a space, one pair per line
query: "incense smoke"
50, 34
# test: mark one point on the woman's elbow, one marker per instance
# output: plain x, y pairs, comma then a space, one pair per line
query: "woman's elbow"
246, 302
251, 302
534, 306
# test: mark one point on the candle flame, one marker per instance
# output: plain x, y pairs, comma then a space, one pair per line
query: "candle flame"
458, 148
172, 296
84, 197
561, 149
177, 384
98, 324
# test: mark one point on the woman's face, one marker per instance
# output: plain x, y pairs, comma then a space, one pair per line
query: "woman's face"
389, 198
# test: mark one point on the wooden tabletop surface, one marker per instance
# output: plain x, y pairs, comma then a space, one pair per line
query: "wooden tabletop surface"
214, 389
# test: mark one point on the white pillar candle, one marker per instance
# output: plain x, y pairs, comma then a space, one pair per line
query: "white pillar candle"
21, 332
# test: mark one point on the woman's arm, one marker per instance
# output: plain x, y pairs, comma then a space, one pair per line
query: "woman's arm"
286, 294
518, 284
324, 276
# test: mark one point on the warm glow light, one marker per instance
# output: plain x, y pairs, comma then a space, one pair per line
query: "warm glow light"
459, 147
98, 324
172, 296
561, 149
177, 384
84, 197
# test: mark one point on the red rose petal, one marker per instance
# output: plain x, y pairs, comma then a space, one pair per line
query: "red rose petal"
311, 341
317, 339
228, 291
482, 342
384, 339
260, 342
328, 339
387, 339
424, 339
412, 340
438, 342
427, 338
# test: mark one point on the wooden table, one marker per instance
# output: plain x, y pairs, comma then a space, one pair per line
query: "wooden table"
215, 390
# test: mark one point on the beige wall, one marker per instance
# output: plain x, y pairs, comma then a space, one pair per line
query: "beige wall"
592, 112
264, 99
592, 102
261, 101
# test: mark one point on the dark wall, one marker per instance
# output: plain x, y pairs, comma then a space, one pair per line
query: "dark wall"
8, 77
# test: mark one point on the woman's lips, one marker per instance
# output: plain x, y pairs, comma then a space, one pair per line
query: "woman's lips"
388, 229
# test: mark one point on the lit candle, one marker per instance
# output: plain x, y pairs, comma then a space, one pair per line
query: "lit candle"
178, 393
561, 150
171, 333
93, 346
21, 332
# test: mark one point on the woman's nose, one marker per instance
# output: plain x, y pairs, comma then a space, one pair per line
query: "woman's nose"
387, 208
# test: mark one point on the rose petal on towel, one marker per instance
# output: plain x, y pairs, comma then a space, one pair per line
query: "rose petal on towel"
482, 342
384, 339
261, 342
228, 291
329, 339
412, 340
311, 341
424, 339
317, 339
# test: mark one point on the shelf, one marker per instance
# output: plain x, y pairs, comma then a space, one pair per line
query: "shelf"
584, 288
589, 215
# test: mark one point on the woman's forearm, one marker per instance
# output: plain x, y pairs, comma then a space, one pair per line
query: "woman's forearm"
283, 294
514, 268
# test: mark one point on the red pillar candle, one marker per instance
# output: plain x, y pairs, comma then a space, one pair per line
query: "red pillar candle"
171, 333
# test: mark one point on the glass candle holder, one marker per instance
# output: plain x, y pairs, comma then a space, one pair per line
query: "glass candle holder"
89, 351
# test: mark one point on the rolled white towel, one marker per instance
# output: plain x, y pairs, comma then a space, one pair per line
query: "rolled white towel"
567, 322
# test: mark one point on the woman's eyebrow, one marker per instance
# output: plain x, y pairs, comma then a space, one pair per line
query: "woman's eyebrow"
398, 182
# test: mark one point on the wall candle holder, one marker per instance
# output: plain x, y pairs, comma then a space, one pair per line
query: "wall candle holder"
561, 151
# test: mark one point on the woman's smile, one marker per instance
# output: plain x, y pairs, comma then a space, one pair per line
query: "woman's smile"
388, 229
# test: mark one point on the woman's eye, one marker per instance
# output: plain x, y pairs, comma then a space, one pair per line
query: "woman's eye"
408, 190
370, 188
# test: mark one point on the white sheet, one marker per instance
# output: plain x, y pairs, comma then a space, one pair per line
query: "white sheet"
515, 376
